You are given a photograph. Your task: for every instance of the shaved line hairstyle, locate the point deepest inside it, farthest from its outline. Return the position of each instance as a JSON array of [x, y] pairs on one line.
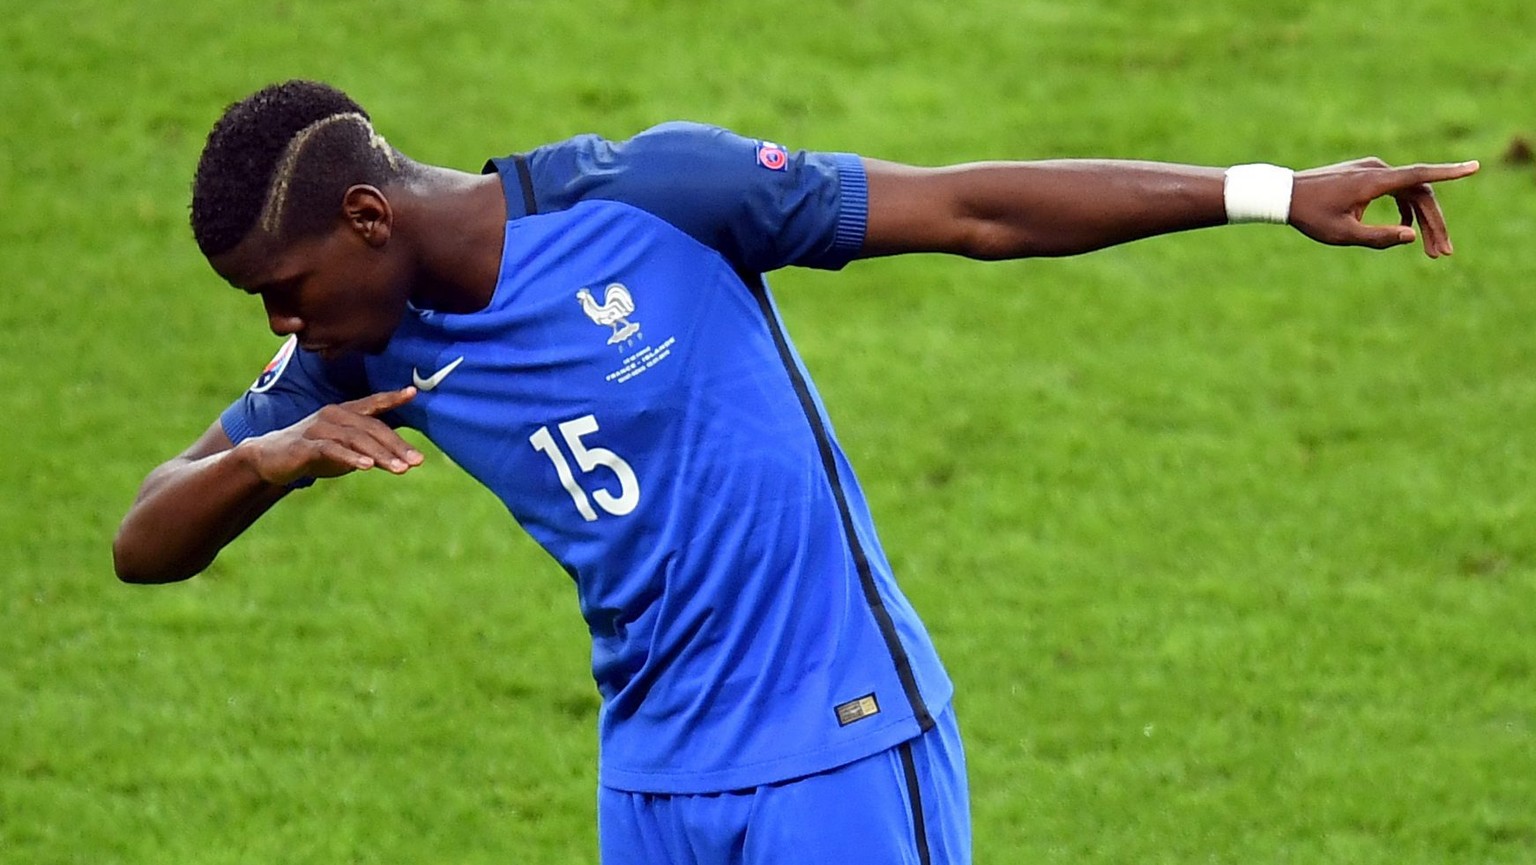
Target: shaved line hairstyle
[[280, 161]]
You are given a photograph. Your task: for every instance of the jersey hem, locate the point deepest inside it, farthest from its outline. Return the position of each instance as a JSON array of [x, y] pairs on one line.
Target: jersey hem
[[903, 729]]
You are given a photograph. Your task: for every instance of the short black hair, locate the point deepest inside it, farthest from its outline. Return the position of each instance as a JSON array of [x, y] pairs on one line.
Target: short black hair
[[281, 159]]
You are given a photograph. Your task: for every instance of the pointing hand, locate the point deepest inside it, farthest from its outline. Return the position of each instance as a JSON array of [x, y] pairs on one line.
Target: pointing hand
[[1328, 203], [335, 440]]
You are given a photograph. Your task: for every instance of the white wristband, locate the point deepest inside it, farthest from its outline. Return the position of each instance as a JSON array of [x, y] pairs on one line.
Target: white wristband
[[1258, 193]]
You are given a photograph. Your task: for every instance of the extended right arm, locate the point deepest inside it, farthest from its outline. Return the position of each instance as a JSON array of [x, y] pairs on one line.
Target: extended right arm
[[1002, 210], [190, 507]]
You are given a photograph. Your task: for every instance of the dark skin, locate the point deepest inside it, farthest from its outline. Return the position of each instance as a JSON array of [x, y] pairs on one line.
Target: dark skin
[[435, 240]]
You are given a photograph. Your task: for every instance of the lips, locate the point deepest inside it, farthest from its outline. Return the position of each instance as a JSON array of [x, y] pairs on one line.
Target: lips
[[325, 350]]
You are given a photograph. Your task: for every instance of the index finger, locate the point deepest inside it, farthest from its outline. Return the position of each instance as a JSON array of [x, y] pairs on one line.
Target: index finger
[[1395, 179], [376, 404]]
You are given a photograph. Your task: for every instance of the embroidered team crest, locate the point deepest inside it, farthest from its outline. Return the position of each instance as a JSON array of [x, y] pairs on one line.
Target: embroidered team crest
[[275, 367], [772, 156], [614, 312]]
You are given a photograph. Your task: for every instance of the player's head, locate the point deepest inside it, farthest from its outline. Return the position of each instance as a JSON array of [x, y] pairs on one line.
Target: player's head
[[289, 203], [279, 161]]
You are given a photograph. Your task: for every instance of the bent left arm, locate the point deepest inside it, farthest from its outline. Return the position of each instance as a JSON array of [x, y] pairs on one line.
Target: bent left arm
[[999, 210]]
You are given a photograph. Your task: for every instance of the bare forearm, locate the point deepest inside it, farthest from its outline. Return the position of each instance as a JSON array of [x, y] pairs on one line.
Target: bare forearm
[[1070, 207], [995, 210], [192, 506], [186, 511]]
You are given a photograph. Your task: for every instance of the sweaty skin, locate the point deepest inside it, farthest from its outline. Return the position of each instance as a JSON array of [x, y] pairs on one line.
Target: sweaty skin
[[435, 241]]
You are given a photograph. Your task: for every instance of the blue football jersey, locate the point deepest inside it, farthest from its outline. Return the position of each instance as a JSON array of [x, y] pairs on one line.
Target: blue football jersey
[[631, 395]]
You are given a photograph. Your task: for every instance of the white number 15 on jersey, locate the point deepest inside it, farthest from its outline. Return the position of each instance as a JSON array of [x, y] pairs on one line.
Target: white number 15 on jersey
[[589, 459]]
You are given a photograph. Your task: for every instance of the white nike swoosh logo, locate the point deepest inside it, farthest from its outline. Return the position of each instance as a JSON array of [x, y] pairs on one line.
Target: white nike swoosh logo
[[436, 378]]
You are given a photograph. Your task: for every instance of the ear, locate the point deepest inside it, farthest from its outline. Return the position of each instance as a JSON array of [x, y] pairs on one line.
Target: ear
[[368, 214]]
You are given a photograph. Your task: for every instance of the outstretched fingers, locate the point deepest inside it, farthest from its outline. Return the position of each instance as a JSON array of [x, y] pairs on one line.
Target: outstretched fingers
[[337, 439], [1363, 181], [1394, 180], [376, 404], [374, 444], [353, 436], [1411, 187], [345, 455], [375, 440]]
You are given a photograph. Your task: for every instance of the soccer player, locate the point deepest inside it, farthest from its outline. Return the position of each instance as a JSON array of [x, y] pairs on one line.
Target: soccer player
[[585, 328]]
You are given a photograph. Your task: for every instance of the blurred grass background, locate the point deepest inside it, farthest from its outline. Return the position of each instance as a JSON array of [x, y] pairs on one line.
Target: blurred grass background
[[1226, 538]]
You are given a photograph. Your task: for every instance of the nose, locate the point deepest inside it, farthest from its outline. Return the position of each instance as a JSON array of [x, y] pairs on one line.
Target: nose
[[284, 325], [281, 322]]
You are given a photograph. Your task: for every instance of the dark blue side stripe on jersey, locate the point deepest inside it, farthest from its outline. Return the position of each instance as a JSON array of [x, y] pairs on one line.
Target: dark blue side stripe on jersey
[[915, 801], [872, 597], [525, 179]]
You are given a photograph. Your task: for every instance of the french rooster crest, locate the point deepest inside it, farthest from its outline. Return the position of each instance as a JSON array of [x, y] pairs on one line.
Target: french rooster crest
[[615, 310]]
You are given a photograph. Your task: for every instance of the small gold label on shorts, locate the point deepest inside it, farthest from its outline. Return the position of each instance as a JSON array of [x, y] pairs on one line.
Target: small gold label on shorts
[[856, 710]]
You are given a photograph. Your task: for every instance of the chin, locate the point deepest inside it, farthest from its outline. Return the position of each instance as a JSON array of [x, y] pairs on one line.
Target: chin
[[374, 347]]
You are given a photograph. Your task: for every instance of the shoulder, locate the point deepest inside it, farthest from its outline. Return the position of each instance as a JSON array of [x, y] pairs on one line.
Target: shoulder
[[759, 203], [676, 153]]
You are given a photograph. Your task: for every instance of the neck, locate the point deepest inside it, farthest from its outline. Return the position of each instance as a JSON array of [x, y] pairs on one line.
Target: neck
[[458, 221]]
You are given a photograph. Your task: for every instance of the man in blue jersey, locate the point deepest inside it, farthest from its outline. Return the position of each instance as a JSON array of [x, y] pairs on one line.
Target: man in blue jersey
[[585, 328]]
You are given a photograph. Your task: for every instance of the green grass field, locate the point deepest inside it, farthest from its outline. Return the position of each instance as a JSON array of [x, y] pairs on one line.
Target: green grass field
[[1229, 540]]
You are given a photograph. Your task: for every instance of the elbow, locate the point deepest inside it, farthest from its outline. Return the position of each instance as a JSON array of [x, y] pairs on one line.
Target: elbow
[[134, 570], [138, 573], [134, 563]]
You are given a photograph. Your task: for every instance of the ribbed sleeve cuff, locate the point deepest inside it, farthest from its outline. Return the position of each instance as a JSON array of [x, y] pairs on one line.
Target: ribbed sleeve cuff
[[853, 207], [239, 429], [235, 425]]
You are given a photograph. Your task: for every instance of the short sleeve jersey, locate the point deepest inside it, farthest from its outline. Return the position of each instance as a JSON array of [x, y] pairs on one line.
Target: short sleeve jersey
[[632, 397]]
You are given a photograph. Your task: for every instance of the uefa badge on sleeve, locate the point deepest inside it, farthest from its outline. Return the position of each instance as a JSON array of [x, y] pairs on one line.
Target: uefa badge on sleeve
[[275, 367], [772, 156]]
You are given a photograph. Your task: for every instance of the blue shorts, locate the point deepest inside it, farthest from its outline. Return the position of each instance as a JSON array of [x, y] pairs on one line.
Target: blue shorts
[[905, 806]]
